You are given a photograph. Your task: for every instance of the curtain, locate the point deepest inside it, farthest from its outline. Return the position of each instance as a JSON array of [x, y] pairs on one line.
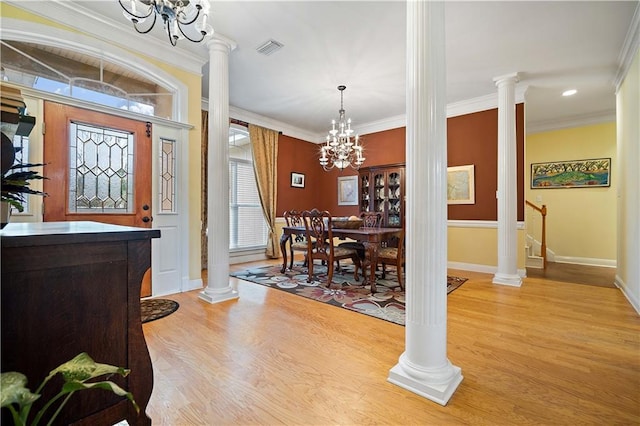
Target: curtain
[[264, 144], [203, 185]]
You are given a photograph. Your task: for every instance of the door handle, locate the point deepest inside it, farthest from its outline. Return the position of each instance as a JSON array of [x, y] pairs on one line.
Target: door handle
[[147, 219]]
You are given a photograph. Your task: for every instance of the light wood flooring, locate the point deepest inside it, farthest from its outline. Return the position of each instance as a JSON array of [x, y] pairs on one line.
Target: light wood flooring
[[547, 353], [577, 274]]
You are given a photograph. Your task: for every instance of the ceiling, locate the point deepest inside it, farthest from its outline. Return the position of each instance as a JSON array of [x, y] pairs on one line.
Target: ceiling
[[553, 45]]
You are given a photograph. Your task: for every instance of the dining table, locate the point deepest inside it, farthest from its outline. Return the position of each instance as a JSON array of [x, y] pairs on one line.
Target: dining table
[[371, 238]]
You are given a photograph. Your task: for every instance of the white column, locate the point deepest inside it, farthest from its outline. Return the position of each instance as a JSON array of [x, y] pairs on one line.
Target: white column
[[423, 368], [218, 287], [507, 179]]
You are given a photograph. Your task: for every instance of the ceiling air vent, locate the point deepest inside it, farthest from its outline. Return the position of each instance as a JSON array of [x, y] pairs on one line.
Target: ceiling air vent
[[270, 46]]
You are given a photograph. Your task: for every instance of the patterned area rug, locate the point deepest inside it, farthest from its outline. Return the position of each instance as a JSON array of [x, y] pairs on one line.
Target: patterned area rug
[[387, 303], [153, 309]]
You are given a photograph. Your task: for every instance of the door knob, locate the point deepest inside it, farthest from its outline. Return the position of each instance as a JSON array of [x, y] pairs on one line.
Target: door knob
[[145, 207], [147, 219]]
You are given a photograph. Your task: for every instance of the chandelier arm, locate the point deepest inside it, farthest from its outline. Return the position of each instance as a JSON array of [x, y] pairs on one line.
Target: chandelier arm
[[195, 18], [151, 9], [153, 23], [203, 33]]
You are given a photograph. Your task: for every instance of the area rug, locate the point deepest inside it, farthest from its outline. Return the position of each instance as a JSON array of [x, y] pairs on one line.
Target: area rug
[[153, 309], [387, 303]]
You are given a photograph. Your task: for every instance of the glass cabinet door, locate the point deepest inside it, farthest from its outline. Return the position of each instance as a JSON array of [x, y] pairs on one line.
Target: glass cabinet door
[[394, 207], [379, 192], [382, 190], [364, 192]]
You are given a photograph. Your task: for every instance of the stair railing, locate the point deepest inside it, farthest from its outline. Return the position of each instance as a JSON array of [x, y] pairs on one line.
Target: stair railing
[[543, 244]]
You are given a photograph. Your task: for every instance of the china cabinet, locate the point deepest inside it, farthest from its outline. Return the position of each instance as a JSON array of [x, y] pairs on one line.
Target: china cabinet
[[382, 190]]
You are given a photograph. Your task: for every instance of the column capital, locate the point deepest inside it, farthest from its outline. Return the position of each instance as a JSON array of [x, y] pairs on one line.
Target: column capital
[[218, 42], [513, 77]]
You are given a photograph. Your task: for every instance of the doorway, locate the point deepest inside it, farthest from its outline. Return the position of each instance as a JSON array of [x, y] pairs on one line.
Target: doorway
[[98, 168]]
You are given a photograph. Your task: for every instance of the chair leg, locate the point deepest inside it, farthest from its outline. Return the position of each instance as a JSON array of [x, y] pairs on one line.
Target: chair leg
[[384, 271], [399, 272], [310, 270], [357, 264], [329, 274], [291, 263]]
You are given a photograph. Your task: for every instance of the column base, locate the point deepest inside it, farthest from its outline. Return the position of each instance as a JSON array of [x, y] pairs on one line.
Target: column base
[[439, 392], [217, 295], [507, 279]]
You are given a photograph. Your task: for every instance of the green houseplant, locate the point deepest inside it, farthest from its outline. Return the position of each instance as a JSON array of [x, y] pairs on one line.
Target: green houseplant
[[16, 178], [19, 399]]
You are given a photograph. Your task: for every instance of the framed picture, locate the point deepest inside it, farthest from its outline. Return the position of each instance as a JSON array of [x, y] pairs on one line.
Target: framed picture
[[348, 191], [571, 174], [461, 185], [297, 180]]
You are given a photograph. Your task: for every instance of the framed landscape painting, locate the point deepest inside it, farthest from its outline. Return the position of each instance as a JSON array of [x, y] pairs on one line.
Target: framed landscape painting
[[571, 174], [461, 185], [348, 191]]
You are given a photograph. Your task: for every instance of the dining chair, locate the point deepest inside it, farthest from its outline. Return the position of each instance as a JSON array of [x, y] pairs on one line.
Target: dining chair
[[297, 242], [393, 254], [320, 245], [369, 220]]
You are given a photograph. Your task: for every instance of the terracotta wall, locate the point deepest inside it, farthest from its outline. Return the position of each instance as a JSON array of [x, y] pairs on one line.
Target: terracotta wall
[[471, 139]]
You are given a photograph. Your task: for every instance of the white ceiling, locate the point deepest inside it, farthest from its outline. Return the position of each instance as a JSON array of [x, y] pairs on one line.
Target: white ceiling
[[361, 44]]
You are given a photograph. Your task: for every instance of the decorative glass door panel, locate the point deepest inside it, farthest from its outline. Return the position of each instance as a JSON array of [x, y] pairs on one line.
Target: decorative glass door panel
[[98, 167]]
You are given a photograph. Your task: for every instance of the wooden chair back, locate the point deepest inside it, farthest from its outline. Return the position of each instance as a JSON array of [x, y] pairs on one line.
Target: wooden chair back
[[371, 219], [297, 242], [319, 233]]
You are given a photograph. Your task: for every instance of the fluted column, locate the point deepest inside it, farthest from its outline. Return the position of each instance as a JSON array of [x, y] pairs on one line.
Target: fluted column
[[423, 368], [507, 179], [218, 287]]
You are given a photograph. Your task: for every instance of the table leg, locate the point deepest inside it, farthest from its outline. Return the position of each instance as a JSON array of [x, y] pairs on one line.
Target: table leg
[[283, 248], [372, 250]]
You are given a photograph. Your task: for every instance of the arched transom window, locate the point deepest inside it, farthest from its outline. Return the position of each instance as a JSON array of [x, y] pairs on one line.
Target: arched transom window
[[81, 76]]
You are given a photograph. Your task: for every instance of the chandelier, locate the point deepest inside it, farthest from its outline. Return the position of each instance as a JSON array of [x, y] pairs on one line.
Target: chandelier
[[175, 14], [342, 149]]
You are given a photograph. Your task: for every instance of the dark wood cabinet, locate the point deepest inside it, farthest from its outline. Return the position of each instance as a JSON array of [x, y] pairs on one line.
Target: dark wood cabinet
[[382, 190], [72, 287]]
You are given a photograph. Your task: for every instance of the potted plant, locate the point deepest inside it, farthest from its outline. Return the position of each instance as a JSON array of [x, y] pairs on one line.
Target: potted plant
[[19, 399], [15, 179]]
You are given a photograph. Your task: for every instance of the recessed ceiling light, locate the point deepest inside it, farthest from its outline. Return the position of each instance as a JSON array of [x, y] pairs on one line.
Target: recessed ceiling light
[[569, 92]]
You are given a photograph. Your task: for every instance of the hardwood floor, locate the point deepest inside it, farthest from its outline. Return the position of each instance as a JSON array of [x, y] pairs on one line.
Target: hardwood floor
[[578, 274], [547, 353]]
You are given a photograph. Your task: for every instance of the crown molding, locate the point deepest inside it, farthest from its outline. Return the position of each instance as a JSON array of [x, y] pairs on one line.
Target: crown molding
[[629, 49], [576, 121], [113, 32], [378, 126], [260, 120], [482, 103], [470, 106]]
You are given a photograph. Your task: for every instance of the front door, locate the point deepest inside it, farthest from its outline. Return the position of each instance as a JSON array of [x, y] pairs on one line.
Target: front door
[[98, 168]]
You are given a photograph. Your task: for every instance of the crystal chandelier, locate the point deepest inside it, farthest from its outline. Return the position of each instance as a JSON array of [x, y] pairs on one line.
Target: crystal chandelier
[[175, 14], [342, 149]]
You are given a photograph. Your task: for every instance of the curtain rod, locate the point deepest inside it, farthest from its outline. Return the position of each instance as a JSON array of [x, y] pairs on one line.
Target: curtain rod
[[243, 123]]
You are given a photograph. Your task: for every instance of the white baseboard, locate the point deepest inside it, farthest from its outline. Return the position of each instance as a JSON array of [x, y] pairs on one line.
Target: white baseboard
[[608, 263], [635, 303], [474, 267], [188, 285]]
